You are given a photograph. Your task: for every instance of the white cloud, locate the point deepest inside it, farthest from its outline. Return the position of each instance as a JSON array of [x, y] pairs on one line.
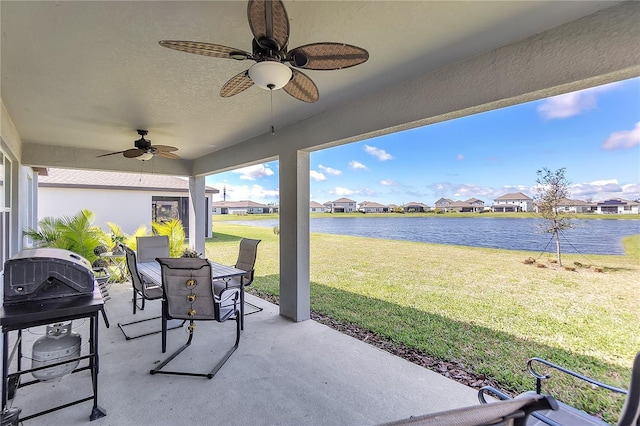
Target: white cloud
[[357, 165], [388, 182], [567, 105], [343, 191], [574, 103], [631, 191], [254, 172], [465, 191], [623, 139], [380, 154], [600, 190], [263, 193], [317, 176], [329, 170], [517, 188], [459, 157], [254, 192]]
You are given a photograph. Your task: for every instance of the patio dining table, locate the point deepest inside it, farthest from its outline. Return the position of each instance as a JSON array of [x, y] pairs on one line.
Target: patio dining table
[[151, 271]]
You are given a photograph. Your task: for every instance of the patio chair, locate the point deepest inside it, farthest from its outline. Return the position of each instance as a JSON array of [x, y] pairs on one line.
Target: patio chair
[[568, 415], [246, 261], [151, 247], [514, 412], [188, 295], [146, 291]]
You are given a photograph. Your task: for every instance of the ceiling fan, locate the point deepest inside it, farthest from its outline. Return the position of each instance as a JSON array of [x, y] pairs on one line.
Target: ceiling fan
[[269, 24], [145, 151]]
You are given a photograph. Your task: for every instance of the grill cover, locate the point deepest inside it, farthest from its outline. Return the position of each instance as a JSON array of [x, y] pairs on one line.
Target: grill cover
[[46, 273]]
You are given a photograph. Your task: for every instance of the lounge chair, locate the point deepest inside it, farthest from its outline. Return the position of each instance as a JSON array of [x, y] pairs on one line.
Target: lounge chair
[[567, 415]]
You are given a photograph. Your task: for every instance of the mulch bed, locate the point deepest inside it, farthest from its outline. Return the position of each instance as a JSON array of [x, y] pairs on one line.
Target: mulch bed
[[451, 369]]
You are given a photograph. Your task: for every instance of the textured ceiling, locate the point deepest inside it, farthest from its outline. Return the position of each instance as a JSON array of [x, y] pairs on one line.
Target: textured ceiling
[[86, 74]]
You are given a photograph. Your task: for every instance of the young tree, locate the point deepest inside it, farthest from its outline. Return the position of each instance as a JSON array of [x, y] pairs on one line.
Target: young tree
[[553, 188]]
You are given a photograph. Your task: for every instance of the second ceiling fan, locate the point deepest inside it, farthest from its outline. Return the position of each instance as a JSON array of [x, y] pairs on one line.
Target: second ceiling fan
[[276, 67], [145, 151]]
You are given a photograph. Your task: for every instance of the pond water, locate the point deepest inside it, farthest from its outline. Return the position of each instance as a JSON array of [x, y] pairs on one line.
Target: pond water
[[588, 237]]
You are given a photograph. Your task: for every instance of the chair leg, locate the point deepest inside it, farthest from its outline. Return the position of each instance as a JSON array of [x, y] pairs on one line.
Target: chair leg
[[164, 327], [257, 309], [168, 360], [134, 299], [128, 337], [241, 307], [213, 372], [231, 351]]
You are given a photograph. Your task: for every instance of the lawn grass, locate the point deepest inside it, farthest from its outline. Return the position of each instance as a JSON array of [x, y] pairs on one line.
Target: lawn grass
[[631, 246], [482, 307]]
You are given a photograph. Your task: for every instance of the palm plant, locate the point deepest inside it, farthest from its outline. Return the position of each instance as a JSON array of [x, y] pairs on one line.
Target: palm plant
[[74, 233], [175, 231]]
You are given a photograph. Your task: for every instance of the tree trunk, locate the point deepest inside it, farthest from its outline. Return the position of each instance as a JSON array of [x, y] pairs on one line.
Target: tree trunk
[[558, 247]]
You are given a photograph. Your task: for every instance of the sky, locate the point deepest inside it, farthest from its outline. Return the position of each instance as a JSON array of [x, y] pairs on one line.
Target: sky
[[594, 134]]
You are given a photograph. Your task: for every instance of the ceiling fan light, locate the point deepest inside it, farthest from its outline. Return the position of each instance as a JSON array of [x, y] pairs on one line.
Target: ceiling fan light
[[145, 156], [270, 75]]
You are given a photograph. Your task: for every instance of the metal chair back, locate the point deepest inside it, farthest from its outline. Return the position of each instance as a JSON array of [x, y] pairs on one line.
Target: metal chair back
[[247, 258], [152, 247]]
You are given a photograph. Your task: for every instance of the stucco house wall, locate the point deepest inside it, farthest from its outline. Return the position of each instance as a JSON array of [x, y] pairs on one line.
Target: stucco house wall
[[509, 202], [128, 209], [343, 205], [127, 200], [618, 206]]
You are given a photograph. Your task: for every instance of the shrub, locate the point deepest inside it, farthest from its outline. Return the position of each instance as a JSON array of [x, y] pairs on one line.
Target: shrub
[[74, 233], [188, 252], [100, 249], [175, 231], [100, 263], [276, 230]]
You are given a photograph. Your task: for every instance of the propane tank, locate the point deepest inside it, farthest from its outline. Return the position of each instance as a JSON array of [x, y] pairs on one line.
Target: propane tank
[[58, 344]]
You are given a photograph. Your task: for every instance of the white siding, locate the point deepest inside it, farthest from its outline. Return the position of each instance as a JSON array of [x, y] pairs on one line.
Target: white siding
[[127, 209]]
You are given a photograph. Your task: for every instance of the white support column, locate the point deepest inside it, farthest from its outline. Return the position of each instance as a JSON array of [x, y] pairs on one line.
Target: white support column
[[295, 300], [197, 219]]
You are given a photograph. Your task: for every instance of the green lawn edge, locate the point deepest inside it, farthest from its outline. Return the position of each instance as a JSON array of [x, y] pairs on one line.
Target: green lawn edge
[[483, 308]]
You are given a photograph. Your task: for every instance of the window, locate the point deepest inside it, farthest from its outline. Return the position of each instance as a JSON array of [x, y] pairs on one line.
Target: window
[[164, 209], [5, 208]]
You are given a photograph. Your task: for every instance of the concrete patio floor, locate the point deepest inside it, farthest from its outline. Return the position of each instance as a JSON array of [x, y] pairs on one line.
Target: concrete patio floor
[[283, 373]]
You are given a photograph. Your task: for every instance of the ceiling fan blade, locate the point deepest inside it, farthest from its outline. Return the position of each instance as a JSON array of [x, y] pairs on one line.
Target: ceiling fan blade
[[166, 154], [238, 83], [268, 20], [327, 56], [302, 87], [206, 49], [133, 153], [164, 148], [112, 153]]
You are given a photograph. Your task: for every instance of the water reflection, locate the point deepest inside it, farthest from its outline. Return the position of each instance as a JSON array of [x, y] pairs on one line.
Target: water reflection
[[588, 237]]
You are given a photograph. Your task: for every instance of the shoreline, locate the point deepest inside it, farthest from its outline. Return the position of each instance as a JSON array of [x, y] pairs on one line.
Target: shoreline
[[268, 216]]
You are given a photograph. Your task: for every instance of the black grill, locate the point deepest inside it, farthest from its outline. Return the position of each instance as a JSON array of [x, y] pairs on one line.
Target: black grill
[[46, 273]]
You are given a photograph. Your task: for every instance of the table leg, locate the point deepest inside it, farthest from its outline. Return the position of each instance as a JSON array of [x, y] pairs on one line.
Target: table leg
[[5, 367], [94, 364]]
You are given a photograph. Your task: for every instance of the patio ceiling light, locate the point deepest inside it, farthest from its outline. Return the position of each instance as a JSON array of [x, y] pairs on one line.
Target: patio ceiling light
[[270, 75], [144, 157]]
